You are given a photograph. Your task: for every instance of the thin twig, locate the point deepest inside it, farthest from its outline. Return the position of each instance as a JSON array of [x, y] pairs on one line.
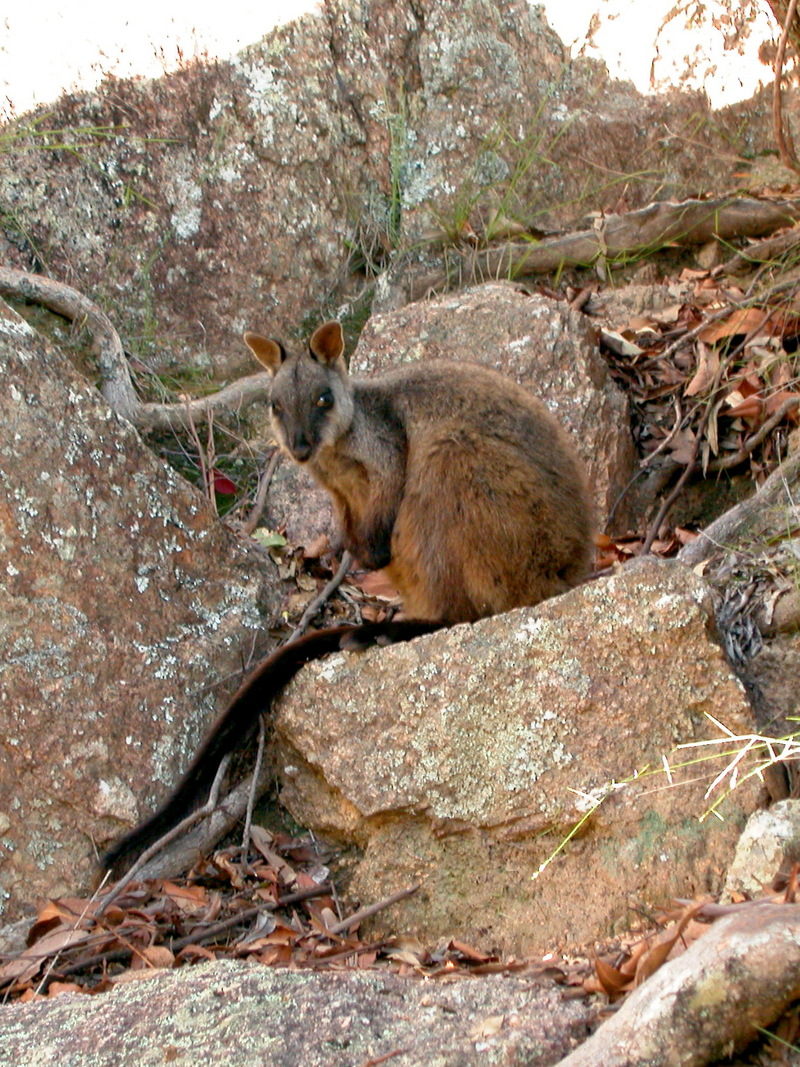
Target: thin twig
[[722, 463], [257, 509], [376, 1061], [198, 937], [726, 462], [372, 909], [203, 460], [251, 800], [676, 491], [170, 835], [648, 459], [323, 597], [690, 466]]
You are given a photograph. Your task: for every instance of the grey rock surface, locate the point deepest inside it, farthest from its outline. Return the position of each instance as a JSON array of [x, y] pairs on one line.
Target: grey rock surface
[[127, 611], [466, 759], [237, 1015], [239, 194]]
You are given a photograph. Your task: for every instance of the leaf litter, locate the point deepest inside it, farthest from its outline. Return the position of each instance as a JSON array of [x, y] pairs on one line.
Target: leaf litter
[[714, 385], [276, 906]]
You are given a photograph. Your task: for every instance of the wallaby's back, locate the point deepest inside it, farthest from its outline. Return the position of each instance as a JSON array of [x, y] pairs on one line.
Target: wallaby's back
[[451, 475]]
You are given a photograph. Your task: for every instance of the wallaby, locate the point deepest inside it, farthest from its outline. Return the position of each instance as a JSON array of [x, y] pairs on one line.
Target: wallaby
[[452, 477]]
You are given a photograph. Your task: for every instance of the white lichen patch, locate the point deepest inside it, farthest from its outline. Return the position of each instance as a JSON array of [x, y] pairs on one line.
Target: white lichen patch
[[115, 798], [331, 667], [265, 96], [520, 343], [13, 327], [185, 196], [63, 542]]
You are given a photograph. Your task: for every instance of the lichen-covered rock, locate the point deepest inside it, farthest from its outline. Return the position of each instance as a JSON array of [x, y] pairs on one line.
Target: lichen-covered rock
[[770, 841], [232, 195], [124, 604], [464, 760], [239, 1015]]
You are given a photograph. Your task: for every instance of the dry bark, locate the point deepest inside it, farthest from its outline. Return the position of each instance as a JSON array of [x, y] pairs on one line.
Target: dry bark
[[760, 517], [764, 251], [739, 977], [692, 222]]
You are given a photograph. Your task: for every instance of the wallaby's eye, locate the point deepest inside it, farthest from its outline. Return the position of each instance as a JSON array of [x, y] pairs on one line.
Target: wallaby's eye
[[276, 408], [325, 400]]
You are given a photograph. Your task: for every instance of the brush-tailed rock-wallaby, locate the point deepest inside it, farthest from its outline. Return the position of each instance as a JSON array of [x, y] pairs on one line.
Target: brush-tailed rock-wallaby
[[452, 477]]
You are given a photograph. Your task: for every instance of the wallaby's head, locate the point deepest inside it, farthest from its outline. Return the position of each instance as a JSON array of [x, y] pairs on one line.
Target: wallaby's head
[[312, 398]]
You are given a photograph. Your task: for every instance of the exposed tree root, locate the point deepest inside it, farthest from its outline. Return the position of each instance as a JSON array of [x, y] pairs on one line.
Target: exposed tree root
[[116, 385], [616, 237], [762, 516], [735, 980]]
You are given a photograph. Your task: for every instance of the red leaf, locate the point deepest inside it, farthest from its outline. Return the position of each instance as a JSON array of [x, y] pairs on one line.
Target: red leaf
[[222, 483]]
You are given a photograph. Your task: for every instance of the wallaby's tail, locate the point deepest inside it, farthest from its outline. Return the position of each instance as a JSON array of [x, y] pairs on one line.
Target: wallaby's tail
[[238, 722]]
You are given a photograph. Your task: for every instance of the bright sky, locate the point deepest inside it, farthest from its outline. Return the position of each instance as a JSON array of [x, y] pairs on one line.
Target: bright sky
[[50, 45]]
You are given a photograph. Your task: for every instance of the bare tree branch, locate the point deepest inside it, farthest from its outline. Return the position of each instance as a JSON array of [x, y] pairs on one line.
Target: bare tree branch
[[231, 398], [116, 385], [690, 222], [783, 136], [180, 853], [322, 598]]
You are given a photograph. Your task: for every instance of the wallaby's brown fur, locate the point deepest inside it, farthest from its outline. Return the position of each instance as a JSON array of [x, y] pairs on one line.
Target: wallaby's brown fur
[[454, 478]]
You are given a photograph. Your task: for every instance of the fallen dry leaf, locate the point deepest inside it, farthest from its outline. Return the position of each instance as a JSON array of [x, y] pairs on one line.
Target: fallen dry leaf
[[707, 368], [32, 959], [740, 321], [158, 956], [612, 980]]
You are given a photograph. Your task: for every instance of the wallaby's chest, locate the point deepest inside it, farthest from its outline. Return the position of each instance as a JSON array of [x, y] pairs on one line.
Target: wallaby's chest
[[345, 475]]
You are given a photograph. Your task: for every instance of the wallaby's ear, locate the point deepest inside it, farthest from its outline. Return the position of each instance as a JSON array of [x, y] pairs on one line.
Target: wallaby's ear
[[327, 342], [267, 352]]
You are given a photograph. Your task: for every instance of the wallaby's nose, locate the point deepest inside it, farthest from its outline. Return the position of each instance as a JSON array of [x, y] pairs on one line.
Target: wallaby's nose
[[301, 447]]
